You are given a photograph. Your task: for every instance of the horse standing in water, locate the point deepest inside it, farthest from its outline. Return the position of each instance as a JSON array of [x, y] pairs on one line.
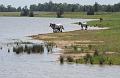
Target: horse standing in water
[[83, 25], [56, 27]]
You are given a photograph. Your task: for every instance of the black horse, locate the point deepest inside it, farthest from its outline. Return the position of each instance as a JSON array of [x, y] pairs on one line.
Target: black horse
[[56, 27]]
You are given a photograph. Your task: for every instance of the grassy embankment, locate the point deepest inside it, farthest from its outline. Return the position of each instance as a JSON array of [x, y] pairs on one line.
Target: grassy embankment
[[80, 43]]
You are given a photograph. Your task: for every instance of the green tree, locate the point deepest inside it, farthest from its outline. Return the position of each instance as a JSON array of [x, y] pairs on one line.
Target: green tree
[[19, 9], [60, 12], [25, 11], [90, 11], [109, 8], [96, 7]]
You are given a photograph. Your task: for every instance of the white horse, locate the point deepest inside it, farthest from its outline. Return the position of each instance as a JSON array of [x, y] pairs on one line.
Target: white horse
[[83, 24], [56, 27]]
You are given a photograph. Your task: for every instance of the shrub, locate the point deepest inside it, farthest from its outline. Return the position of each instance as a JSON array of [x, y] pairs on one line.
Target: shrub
[[70, 59], [90, 47], [101, 60], [96, 53], [87, 58], [61, 59], [31, 14]]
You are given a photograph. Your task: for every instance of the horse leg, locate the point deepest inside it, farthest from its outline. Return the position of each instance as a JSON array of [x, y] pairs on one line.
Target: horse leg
[[60, 29], [54, 30], [81, 27], [86, 27]]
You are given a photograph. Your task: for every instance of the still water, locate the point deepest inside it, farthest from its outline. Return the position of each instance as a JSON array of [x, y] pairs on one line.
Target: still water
[[45, 65]]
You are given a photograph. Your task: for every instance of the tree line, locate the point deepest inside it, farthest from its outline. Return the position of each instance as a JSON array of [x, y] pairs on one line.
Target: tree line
[[53, 7]]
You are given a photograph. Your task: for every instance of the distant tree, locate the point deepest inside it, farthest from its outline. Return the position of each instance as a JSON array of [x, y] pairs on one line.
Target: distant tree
[[2, 8], [34, 7], [90, 11], [74, 7], [19, 9], [96, 7], [53, 7], [25, 11], [116, 7], [9, 8], [108, 8], [60, 12]]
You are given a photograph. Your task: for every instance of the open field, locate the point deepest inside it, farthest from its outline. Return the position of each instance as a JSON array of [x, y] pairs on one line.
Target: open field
[[11, 14], [68, 14]]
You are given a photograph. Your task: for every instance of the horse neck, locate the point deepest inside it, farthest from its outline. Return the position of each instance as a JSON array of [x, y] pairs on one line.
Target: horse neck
[[52, 26]]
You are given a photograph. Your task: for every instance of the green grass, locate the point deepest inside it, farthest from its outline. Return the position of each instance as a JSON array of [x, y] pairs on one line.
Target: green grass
[[105, 15], [13, 14]]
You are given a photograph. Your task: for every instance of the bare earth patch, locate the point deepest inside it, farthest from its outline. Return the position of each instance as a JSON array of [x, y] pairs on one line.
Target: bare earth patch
[[62, 43]]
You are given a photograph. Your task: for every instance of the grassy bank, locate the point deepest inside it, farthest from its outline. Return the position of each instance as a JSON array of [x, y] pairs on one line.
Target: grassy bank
[[67, 14], [79, 42], [10, 14]]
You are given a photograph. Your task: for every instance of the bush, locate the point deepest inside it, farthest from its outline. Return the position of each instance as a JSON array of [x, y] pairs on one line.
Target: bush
[[70, 59], [101, 60], [60, 12], [61, 59], [90, 47], [24, 13], [31, 14], [90, 11], [87, 58], [96, 53]]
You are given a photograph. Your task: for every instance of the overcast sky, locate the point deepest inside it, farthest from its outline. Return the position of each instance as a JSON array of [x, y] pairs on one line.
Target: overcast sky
[[22, 3]]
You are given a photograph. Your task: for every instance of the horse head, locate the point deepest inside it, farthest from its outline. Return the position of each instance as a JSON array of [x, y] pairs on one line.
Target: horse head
[[62, 27], [80, 23], [50, 24]]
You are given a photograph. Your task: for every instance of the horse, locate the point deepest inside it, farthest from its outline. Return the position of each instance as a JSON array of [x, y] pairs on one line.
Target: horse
[[56, 27], [84, 24]]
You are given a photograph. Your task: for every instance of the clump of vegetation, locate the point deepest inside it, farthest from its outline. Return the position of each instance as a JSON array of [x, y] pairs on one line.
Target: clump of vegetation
[[96, 53], [90, 47], [60, 12], [31, 14], [61, 59], [25, 11], [29, 49], [98, 58], [70, 59], [87, 58], [50, 46], [90, 11]]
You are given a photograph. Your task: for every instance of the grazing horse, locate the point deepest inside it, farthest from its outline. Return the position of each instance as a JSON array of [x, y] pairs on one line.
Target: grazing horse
[[84, 24], [56, 27]]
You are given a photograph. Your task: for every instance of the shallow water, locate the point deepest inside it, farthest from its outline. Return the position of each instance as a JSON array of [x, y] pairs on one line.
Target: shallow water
[[12, 65]]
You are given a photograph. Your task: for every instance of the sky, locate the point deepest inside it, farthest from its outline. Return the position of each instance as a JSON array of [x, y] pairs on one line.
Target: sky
[[17, 3]]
